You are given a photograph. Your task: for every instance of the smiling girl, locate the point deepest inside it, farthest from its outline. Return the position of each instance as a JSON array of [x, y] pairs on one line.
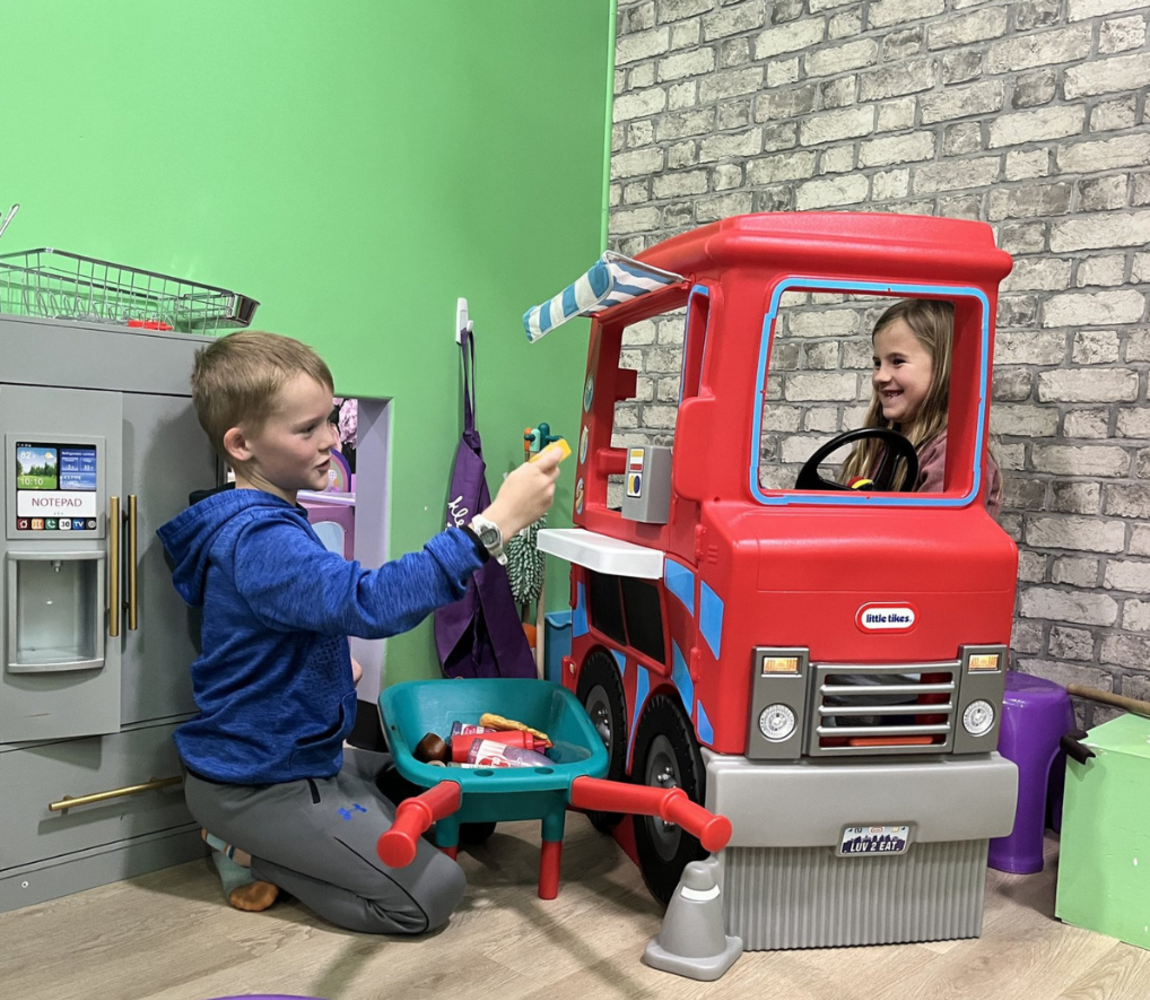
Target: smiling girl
[[911, 382]]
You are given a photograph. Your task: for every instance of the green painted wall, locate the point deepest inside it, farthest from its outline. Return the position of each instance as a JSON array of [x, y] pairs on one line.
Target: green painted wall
[[355, 166]]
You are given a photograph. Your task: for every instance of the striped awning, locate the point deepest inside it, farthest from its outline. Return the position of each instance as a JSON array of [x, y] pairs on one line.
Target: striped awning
[[613, 279]]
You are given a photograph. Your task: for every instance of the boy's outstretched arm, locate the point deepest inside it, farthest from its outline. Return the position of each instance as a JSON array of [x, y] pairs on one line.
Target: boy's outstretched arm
[[291, 582]]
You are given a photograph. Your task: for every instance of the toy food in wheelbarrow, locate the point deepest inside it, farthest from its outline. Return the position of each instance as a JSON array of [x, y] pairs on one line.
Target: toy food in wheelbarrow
[[464, 735], [577, 761]]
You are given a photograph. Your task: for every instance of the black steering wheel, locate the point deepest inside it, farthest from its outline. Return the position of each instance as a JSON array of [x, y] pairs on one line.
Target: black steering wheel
[[897, 447]]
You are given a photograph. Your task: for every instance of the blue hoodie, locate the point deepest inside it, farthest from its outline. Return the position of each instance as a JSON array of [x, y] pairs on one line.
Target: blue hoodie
[[273, 683]]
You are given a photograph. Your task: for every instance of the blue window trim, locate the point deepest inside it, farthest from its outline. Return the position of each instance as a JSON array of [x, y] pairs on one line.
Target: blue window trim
[[853, 499]]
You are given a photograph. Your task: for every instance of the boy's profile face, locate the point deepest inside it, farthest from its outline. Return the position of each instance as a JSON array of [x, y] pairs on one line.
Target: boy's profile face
[[292, 451]]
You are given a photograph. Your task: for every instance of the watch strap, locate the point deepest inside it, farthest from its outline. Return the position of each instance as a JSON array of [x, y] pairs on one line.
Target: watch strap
[[480, 548]]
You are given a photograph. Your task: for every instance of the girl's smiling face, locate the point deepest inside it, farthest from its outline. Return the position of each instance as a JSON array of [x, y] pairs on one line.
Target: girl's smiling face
[[902, 372]]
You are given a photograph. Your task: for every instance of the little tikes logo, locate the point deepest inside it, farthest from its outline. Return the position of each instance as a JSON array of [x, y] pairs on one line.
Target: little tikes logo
[[886, 617]]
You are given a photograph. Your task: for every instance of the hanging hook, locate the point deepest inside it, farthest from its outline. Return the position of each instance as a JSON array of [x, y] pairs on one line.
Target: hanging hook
[[11, 212], [462, 322]]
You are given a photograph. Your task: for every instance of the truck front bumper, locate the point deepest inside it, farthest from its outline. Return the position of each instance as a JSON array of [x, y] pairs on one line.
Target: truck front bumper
[[810, 803]]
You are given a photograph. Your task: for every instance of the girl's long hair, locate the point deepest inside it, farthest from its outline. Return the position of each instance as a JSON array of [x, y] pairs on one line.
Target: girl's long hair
[[932, 322]]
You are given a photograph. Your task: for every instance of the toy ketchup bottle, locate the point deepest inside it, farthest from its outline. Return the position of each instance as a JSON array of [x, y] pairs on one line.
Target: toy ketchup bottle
[[462, 743]]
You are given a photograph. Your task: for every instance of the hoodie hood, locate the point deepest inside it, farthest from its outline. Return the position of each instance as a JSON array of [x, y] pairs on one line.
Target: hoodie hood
[[191, 535]]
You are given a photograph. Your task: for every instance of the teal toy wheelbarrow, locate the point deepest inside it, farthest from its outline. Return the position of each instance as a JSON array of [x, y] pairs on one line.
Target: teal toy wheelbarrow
[[574, 778]]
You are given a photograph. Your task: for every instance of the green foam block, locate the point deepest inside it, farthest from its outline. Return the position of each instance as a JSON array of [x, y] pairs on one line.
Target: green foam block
[[1104, 863]]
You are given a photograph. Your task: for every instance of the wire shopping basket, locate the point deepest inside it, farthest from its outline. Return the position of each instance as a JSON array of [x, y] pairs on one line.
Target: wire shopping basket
[[57, 285]]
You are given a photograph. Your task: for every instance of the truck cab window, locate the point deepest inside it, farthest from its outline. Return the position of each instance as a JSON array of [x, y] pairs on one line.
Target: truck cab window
[[654, 348]]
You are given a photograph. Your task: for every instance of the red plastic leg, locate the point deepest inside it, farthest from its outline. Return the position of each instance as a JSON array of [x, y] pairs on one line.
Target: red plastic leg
[[549, 863], [624, 836], [451, 852], [670, 804], [396, 847]]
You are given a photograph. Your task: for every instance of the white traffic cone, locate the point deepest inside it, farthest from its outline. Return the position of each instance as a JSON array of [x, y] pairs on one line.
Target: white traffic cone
[[693, 941]]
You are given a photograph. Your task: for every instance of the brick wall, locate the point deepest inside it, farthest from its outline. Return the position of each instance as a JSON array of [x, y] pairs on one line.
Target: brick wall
[[1030, 116]]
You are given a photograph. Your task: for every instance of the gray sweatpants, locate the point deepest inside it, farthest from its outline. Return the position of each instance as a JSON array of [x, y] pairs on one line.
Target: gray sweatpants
[[315, 838]]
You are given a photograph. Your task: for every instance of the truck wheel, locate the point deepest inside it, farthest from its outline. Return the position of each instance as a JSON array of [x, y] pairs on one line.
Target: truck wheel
[[600, 690], [666, 756]]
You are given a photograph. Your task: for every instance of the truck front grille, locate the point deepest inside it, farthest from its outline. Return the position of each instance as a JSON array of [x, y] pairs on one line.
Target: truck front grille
[[869, 709]]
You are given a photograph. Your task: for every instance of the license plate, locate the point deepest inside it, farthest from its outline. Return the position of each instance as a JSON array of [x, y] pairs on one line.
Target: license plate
[[874, 840]]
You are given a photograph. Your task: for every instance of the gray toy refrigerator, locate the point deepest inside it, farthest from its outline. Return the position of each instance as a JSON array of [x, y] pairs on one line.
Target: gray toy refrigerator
[[100, 447]]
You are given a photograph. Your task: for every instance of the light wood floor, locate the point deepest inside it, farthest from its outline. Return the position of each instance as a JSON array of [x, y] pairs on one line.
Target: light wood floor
[[170, 936]]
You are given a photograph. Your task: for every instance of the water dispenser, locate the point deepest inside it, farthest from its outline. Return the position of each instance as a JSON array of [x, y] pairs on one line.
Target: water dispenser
[[62, 572], [55, 611]]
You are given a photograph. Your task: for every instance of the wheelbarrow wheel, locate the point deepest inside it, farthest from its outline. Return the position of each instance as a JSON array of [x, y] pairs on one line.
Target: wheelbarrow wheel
[[666, 756], [601, 693]]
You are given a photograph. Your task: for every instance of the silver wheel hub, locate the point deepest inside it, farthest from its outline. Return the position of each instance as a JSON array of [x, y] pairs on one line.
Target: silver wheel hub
[[600, 712], [663, 772]]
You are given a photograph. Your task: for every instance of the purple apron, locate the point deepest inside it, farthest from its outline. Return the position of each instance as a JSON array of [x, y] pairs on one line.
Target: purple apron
[[480, 635]]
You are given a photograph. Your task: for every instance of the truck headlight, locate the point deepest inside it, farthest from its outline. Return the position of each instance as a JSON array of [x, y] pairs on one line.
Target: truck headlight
[[978, 719], [777, 722]]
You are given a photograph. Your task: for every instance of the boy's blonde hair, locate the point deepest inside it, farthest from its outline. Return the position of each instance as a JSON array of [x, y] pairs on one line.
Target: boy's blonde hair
[[932, 323], [236, 380]]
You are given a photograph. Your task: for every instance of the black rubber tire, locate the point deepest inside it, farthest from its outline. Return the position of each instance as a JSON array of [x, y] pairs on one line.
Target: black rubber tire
[[666, 755], [475, 833], [600, 691]]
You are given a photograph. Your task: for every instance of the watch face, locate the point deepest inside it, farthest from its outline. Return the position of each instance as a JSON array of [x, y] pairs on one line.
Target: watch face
[[489, 536]]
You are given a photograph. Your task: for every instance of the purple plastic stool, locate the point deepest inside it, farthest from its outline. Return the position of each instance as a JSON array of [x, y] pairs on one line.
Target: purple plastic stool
[[1036, 714]]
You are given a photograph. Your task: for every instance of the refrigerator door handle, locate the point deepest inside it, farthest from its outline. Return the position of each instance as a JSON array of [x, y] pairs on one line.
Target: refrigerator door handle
[[133, 606], [113, 566]]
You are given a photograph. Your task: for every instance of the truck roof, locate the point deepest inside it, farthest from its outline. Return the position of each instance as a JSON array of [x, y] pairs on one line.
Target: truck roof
[[847, 245]]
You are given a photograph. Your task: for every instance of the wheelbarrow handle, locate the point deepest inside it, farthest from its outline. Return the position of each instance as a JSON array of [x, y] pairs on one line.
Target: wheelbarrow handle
[[672, 805], [396, 846], [712, 831]]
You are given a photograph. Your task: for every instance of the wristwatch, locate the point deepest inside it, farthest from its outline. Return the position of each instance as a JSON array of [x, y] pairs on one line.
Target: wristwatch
[[491, 536]]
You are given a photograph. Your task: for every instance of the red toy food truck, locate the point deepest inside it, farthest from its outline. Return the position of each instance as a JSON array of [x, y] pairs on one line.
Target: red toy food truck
[[823, 665]]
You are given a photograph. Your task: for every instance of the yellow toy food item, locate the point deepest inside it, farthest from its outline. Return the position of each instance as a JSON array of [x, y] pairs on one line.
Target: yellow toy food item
[[559, 443], [498, 722]]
